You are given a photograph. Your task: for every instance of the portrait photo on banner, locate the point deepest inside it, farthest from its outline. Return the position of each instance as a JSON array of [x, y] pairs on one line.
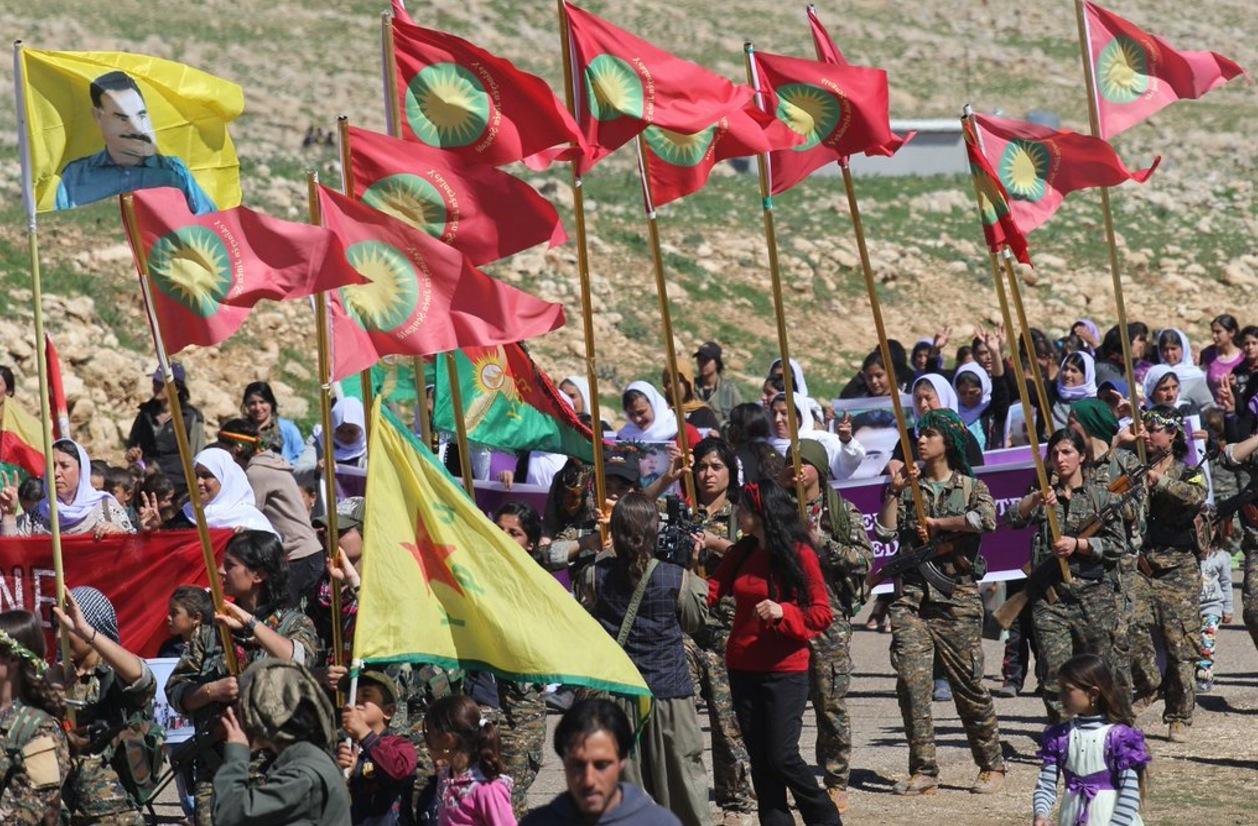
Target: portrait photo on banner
[[100, 124]]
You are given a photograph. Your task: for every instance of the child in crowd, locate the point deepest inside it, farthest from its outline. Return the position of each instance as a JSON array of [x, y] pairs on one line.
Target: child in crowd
[[29, 493], [382, 766], [471, 788], [99, 470], [1216, 609], [189, 608], [158, 490], [1097, 753], [121, 484]]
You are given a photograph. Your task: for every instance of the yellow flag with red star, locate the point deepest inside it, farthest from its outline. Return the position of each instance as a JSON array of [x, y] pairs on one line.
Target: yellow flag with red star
[[441, 584]]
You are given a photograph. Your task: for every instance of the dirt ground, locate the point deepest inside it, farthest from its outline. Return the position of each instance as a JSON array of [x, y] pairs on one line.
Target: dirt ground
[[1206, 780]]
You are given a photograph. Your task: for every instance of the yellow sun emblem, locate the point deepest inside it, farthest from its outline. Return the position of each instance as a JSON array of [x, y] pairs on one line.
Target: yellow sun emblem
[[446, 106], [410, 199], [389, 300], [492, 380], [192, 266], [809, 110], [1123, 70], [614, 88]]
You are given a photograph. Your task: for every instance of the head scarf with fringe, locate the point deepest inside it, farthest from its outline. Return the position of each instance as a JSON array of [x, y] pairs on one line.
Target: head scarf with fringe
[[949, 425]]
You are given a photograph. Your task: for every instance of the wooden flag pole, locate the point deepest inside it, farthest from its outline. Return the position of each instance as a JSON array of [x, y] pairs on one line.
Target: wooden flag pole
[[666, 321], [460, 425], [347, 186], [1094, 121], [41, 352], [583, 272], [181, 433], [329, 455], [775, 276], [884, 347], [393, 124]]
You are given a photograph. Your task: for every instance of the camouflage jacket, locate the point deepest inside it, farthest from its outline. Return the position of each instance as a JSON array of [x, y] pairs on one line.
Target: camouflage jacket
[[34, 762], [721, 616], [944, 500], [1074, 514], [844, 550], [1107, 470], [1174, 502]]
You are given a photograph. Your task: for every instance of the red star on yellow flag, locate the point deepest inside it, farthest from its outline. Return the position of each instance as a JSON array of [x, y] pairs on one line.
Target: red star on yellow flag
[[432, 558]]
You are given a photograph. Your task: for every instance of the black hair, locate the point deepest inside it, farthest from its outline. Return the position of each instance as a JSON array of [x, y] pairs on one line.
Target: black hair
[[1169, 336], [7, 375], [158, 485], [196, 601], [263, 554], [31, 489], [968, 379], [118, 477], [748, 422], [530, 521], [459, 715], [784, 532], [1179, 447], [573, 476], [96, 467], [1073, 358], [717, 445], [1088, 671], [635, 526], [67, 447], [1067, 434], [899, 356], [1248, 331], [236, 447], [1228, 322], [874, 359], [587, 717], [260, 388], [631, 396], [1073, 343], [36, 689], [964, 352], [115, 81]]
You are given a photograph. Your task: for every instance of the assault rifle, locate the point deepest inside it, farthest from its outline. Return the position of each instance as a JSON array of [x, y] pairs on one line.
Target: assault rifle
[[921, 559], [1044, 578]]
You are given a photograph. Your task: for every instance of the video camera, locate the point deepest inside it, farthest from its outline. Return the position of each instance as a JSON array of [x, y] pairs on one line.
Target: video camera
[[676, 539]]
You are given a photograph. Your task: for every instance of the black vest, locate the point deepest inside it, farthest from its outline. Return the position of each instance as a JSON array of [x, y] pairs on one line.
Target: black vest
[[654, 642]]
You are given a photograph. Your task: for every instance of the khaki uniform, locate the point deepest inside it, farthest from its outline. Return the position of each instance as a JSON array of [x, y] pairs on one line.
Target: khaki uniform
[[35, 758], [1084, 618], [1168, 600], [925, 622]]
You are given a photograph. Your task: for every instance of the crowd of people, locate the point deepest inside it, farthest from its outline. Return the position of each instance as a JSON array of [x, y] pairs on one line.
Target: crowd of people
[[748, 617]]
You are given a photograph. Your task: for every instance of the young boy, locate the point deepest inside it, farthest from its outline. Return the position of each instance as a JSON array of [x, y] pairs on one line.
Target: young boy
[[1216, 609], [383, 764]]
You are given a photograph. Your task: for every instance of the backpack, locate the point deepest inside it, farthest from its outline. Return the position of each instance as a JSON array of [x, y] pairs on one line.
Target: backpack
[[134, 748], [852, 587]]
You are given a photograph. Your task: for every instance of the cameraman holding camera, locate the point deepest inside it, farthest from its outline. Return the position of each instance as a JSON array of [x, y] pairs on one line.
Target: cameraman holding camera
[[646, 604]]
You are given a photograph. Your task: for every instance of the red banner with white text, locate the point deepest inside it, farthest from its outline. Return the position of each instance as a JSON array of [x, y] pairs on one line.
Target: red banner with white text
[[138, 572]]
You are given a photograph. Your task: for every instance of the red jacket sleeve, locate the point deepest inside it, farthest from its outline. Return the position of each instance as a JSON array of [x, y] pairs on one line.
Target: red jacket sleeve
[[721, 583], [805, 623], [392, 754]]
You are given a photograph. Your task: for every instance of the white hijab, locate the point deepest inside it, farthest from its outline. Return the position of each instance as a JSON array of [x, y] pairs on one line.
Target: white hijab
[[970, 415], [947, 396], [662, 429], [348, 410], [583, 387], [797, 376], [233, 505], [1080, 391], [807, 428], [1185, 369], [86, 498], [1154, 377]]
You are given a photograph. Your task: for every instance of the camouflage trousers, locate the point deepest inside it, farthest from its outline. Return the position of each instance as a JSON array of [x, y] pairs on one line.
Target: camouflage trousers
[[1249, 589], [920, 628], [94, 795], [829, 675], [522, 733], [1125, 611], [731, 765], [1167, 605], [1081, 621]]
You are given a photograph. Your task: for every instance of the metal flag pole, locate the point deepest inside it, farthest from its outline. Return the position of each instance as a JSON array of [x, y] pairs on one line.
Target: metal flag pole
[[775, 276], [181, 433], [666, 319]]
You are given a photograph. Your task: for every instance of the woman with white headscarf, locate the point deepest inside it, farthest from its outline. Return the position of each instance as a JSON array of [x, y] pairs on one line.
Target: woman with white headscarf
[[1162, 388], [226, 497], [1176, 353], [1076, 379], [349, 439], [81, 509], [648, 416], [982, 403], [933, 392], [845, 457]]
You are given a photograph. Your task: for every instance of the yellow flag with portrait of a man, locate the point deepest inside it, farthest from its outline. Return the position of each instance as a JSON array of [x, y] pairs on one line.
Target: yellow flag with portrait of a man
[[99, 124]]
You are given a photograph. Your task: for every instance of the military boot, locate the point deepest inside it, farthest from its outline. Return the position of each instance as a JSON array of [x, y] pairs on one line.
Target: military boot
[[988, 782], [917, 784]]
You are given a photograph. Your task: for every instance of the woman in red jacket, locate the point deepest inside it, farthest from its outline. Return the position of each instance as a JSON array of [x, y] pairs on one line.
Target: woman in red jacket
[[779, 604]]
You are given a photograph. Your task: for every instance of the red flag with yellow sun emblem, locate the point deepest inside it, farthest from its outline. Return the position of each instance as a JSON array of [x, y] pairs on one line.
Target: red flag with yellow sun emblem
[[421, 296]]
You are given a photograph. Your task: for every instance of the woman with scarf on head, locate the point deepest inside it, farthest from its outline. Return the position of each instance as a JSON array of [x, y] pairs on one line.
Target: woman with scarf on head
[[263, 623], [110, 689], [844, 452], [280, 435], [927, 355], [983, 402], [32, 711], [651, 420], [1084, 616], [933, 392], [349, 441], [1162, 388], [1076, 379], [81, 509], [282, 710], [1175, 352], [925, 620], [226, 498], [1168, 583]]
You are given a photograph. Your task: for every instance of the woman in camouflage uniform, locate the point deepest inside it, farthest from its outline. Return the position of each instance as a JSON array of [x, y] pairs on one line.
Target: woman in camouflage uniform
[[1169, 578], [924, 620], [1082, 616], [262, 623], [111, 689]]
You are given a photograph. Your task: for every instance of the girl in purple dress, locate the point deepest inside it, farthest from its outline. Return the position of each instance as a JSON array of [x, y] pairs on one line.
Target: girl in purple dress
[[1098, 753]]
